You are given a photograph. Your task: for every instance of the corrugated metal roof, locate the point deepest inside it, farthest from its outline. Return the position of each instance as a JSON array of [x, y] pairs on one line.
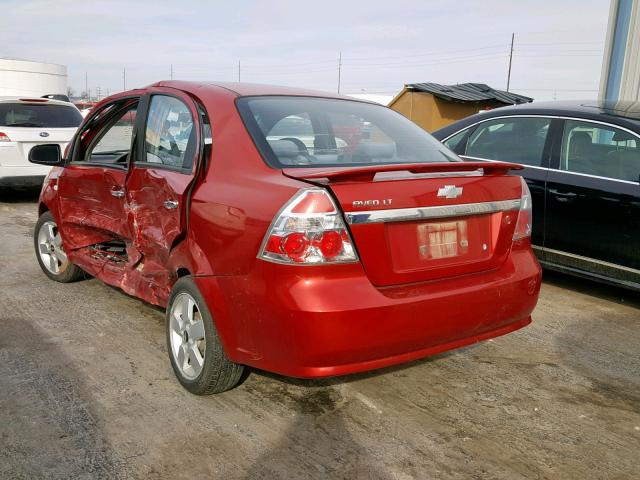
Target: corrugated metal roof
[[469, 92]]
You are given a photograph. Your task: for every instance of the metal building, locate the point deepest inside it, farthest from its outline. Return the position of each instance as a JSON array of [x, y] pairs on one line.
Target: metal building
[[620, 79], [34, 79]]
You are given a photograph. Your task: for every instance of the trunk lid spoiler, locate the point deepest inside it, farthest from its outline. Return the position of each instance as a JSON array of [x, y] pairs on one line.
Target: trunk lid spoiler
[[368, 173]]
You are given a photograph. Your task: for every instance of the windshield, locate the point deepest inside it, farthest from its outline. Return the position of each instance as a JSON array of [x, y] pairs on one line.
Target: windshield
[[307, 131], [38, 115]]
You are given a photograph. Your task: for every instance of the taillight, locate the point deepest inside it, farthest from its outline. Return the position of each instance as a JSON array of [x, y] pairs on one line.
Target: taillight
[[525, 218], [308, 230], [4, 137]]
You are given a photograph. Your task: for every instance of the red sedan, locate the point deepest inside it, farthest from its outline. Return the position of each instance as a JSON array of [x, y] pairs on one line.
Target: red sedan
[[277, 241]]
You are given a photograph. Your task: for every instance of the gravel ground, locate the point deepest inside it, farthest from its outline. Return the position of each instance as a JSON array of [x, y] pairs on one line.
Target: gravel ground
[[86, 391]]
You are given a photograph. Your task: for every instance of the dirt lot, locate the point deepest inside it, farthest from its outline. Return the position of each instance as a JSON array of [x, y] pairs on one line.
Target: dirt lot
[[86, 391]]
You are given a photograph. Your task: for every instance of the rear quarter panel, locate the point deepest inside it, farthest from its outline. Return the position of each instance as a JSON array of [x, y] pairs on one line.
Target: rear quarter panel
[[234, 204]]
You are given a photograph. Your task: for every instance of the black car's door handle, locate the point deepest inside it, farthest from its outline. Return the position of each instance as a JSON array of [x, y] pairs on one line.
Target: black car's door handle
[[563, 196]]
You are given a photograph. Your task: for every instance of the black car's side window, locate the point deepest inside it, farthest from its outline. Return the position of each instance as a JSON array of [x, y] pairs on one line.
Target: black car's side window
[[169, 133], [455, 143], [517, 139], [601, 150]]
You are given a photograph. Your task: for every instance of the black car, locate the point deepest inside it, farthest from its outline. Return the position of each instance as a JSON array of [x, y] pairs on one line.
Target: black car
[[582, 164]]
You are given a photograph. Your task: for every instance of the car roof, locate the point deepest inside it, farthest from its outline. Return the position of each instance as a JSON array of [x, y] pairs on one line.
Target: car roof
[[624, 109], [241, 89]]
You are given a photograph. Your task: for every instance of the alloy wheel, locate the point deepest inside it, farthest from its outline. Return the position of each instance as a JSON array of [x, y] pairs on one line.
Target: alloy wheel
[[187, 336], [50, 248]]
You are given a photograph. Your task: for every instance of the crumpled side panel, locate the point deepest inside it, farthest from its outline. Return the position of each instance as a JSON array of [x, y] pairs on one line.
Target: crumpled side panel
[[133, 276], [89, 212]]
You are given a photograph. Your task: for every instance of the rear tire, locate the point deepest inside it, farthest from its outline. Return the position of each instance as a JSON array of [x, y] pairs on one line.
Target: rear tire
[[50, 252], [196, 353]]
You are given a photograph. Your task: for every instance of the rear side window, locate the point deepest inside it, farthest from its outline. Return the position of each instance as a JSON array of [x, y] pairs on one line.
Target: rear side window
[[169, 133], [600, 150], [306, 131], [455, 142], [39, 115], [518, 140]]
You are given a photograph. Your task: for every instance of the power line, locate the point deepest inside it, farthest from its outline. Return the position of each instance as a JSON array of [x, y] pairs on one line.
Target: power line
[[552, 54], [433, 52], [553, 44], [557, 89], [442, 61], [440, 57]]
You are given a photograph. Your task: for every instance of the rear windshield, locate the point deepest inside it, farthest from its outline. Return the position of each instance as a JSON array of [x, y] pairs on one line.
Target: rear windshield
[[307, 131], [38, 115]]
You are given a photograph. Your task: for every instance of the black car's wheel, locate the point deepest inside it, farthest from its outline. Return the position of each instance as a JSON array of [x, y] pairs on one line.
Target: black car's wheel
[[195, 350], [50, 252]]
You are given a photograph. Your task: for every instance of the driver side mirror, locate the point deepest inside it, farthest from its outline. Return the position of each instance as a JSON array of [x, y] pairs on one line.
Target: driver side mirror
[[48, 154]]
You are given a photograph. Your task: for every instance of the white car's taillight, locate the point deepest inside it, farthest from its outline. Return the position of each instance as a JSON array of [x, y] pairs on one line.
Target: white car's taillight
[[308, 230], [525, 218], [4, 137]]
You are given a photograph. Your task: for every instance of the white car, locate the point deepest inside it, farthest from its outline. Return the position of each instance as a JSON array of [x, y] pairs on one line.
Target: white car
[[26, 122]]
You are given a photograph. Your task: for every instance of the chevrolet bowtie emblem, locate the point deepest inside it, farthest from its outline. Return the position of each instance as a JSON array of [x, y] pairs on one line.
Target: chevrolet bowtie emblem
[[450, 191]]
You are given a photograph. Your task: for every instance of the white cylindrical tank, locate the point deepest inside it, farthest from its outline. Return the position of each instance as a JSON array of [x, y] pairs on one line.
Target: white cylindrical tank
[[34, 79]]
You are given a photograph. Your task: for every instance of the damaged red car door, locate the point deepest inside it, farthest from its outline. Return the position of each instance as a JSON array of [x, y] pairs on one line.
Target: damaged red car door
[[160, 175], [91, 189]]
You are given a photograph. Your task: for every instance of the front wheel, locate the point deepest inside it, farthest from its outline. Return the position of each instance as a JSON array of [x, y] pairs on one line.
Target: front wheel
[[196, 353], [50, 252]]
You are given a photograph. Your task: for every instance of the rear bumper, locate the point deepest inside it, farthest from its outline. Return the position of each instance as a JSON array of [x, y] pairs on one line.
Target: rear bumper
[[301, 322]]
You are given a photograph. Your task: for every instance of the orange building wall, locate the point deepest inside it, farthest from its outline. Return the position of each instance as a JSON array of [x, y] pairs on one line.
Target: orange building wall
[[432, 113]]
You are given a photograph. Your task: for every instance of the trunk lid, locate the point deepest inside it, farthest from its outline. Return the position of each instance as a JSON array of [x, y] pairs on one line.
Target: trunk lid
[[421, 222]]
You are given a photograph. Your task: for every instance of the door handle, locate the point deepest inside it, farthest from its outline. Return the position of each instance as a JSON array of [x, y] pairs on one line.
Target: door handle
[[117, 193], [170, 204], [562, 194]]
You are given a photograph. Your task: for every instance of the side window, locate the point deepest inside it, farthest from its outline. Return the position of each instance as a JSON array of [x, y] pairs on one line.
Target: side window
[[600, 150], [112, 143], [518, 140], [169, 133], [454, 142]]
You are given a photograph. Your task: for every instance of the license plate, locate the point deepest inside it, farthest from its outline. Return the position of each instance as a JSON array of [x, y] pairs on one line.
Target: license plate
[[442, 239]]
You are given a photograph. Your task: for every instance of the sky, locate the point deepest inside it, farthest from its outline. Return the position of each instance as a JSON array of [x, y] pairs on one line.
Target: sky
[[384, 44]]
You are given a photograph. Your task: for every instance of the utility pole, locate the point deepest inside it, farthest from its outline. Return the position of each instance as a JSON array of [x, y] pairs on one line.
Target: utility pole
[[238, 71], [124, 79], [339, 70], [86, 84], [510, 60], [172, 71]]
